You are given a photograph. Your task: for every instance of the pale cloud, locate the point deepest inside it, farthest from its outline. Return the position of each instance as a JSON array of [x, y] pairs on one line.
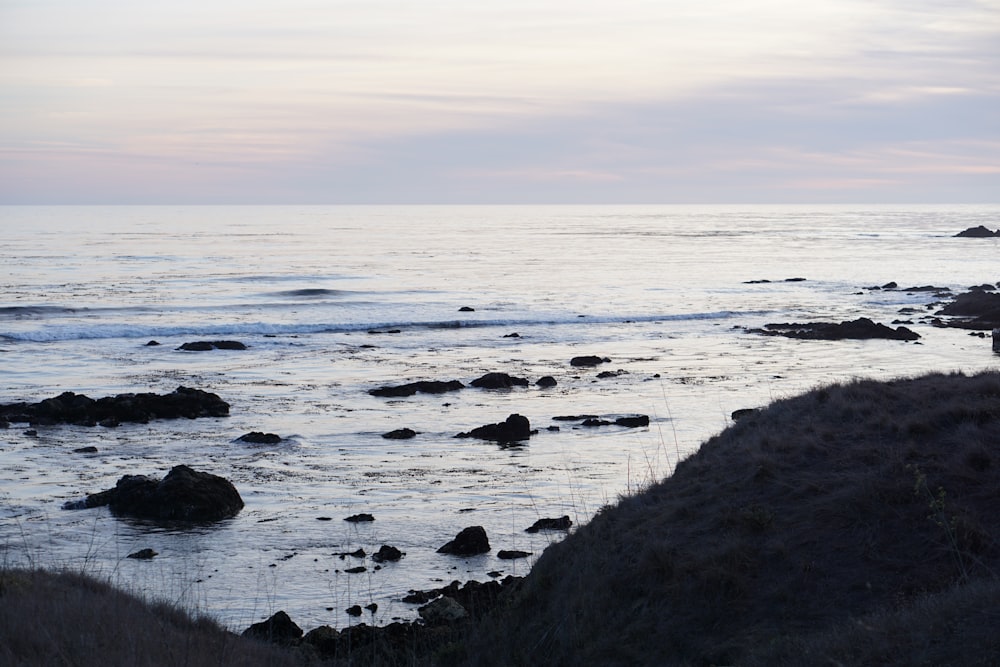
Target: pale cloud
[[278, 100]]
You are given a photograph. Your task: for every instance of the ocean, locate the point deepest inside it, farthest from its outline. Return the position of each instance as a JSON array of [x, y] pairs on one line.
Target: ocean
[[333, 301]]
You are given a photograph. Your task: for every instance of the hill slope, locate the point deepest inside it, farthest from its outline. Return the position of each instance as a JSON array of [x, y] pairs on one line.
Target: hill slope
[[809, 532]]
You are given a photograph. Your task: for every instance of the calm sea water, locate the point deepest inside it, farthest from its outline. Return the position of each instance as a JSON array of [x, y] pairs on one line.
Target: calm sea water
[[664, 292]]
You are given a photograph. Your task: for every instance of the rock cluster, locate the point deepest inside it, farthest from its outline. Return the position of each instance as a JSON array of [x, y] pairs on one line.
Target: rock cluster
[[81, 410], [859, 329]]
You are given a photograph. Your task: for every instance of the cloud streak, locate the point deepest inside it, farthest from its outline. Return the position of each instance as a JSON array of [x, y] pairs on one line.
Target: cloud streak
[[446, 101]]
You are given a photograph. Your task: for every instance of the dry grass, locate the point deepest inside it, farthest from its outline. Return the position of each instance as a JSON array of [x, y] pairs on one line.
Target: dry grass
[[853, 501], [65, 618]]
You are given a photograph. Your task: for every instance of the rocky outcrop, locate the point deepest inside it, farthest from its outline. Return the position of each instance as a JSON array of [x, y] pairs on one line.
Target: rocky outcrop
[[546, 381], [499, 381], [183, 495], [422, 386], [979, 232], [469, 542], [206, 345], [516, 427], [859, 329], [512, 554], [977, 310]]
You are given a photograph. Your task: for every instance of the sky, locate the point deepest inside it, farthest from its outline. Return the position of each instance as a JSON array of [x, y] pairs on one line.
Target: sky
[[549, 101]]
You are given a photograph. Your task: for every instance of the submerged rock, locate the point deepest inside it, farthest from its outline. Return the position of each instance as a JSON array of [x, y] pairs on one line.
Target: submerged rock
[[206, 345], [422, 386], [588, 360], [143, 554], [499, 381], [400, 434], [562, 523], [259, 438], [183, 495]]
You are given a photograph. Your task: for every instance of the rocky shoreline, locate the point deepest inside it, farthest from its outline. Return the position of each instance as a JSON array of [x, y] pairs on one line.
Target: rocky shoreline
[[977, 309]]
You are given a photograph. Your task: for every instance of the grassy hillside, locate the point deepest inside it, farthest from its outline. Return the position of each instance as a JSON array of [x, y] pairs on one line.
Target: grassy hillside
[[811, 532]]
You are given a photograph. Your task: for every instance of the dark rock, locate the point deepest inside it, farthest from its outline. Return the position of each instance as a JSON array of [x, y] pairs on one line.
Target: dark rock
[[469, 542], [573, 418], [31, 433], [81, 410], [183, 495], [387, 554], [442, 611], [516, 427], [387, 331], [400, 434], [742, 413], [859, 329], [512, 335], [978, 310], [590, 360], [985, 287], [152, 343], [562, 523], [372, 607], [979, 232], [794, 280], [205, 345], [279, 629], [499, 381], [546, 381], [85, 450], [633, 422], [143, 554], [258, 438], [595, 422], [356, 570], [422, 386], [354, 610], [512, 554], [603, 375], [466, 309], [360, 518], [890, 285]]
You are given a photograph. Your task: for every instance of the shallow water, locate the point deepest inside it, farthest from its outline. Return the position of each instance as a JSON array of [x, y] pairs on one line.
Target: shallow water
[[662, 291]]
